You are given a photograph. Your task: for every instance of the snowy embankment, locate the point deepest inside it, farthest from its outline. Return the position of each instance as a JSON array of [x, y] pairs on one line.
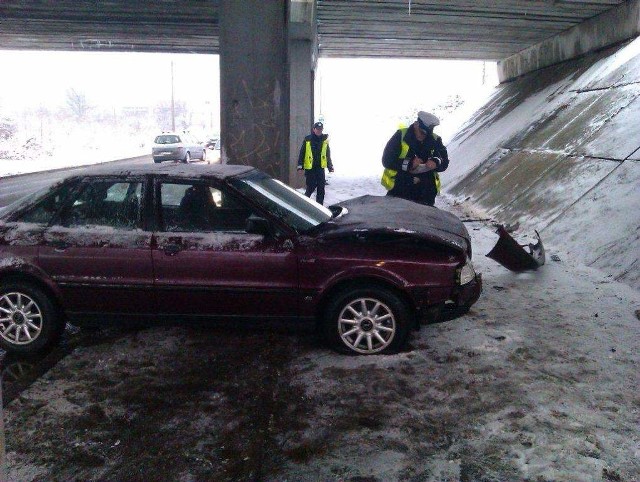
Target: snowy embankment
[[75, 146], [557, 150]]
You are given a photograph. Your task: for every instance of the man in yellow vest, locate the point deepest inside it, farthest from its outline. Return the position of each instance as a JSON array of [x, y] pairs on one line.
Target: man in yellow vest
[[412, 158], [314, 158]]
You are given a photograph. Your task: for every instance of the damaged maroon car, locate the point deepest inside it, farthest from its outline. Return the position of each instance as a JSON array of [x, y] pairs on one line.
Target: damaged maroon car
[[225, 242]]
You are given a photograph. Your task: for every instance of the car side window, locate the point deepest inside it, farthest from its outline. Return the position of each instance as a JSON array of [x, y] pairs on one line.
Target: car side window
[[44, 210], [197, 207], [106, 203]]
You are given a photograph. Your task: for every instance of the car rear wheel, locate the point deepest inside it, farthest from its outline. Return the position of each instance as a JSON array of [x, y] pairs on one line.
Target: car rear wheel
[[29, 321], [367, 321], [187, 158]]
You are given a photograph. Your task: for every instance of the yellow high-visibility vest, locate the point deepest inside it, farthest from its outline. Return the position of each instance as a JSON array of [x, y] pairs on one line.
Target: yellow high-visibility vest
[[308, 154], [389, 175]]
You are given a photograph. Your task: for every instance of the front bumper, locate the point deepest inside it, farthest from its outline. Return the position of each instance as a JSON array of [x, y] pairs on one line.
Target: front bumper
[[468, 294], [456, 303]]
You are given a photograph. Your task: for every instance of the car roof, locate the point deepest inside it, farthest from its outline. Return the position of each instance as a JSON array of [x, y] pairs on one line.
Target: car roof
[[186, 171], [217, 171]]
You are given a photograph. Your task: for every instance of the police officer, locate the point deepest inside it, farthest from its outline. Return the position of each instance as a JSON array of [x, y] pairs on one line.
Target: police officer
[[412, 158], [314, 158]]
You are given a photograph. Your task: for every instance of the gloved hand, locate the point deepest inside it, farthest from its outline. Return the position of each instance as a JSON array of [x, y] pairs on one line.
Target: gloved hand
[[331, 169]]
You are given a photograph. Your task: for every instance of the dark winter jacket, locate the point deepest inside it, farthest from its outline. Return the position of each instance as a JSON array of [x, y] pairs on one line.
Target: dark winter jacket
[[421, 187], [316, 147]]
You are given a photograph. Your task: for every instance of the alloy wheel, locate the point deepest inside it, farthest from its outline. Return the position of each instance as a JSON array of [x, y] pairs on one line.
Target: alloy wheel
[[366, 325], [20, 318]]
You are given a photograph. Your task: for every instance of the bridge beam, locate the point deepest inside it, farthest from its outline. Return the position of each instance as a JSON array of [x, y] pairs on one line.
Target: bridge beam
[[611, 27]]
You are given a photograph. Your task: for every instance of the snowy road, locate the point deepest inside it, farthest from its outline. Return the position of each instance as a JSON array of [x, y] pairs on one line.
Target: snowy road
[[538, 382]]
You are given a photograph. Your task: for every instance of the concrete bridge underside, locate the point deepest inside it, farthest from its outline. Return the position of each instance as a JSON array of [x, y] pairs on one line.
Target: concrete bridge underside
[[268, 50]]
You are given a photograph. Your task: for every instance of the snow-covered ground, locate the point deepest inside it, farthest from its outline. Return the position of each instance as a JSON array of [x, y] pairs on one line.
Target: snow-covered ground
[[77, 147], [538, 382]]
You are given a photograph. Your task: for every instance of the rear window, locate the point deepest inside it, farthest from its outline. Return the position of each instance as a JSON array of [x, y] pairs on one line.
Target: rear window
[[167, 139]]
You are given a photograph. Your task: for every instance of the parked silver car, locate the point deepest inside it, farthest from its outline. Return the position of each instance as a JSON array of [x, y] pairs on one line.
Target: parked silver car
[[182, 147]]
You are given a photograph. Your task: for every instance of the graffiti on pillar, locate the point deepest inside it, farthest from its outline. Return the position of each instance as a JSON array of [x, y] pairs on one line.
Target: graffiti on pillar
[[254, 135]]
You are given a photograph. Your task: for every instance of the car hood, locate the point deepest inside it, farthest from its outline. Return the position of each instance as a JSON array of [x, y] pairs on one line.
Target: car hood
[[387, 214]]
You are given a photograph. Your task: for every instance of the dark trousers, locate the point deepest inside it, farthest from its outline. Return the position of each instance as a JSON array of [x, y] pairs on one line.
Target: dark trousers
[[315, 180]]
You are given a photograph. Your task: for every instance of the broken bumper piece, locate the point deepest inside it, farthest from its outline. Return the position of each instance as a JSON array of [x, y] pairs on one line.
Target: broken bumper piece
[[513, 256]]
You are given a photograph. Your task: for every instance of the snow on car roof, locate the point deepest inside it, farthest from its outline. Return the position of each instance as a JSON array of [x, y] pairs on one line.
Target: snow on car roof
[[219, 171]]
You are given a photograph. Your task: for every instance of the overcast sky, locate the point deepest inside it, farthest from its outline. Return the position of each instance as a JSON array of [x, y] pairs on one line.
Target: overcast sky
[[107, 79], [362, 86]]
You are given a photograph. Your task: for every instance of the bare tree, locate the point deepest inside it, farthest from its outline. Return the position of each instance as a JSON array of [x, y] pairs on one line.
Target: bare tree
[[8, 128], [77, 104], [163, 114]]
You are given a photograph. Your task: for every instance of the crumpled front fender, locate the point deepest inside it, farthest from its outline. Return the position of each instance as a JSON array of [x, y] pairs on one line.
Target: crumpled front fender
[[513, 256]]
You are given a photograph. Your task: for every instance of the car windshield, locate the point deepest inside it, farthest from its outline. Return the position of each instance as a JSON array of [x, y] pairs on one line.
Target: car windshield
[[295, 209], [167, 139]]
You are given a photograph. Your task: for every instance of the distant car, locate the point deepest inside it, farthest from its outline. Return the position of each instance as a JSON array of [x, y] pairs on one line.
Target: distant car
[[211, 142], [225, 241], [177, 147]]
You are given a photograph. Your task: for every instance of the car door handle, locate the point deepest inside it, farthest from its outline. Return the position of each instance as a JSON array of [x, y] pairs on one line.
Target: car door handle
[[59, 245], [172, 249]]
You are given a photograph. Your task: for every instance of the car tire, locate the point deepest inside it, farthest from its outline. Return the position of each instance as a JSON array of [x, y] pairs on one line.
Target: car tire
[[204, 155], [187, 158], [367, 321], [157, 161], [29, 319]]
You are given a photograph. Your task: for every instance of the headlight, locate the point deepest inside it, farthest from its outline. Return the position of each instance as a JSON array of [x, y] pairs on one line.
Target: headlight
[[467, 273]]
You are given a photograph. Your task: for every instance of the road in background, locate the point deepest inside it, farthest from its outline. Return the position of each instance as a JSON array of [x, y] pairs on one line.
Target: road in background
[[13, 188]]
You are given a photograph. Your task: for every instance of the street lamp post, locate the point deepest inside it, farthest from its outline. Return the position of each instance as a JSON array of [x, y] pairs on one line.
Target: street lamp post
[[173, 110]]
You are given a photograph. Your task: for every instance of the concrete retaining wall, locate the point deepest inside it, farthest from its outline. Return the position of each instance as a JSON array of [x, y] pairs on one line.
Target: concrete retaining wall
[[558, 150]]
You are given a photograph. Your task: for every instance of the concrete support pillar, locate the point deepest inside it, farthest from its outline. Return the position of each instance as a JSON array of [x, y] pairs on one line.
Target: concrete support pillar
[[254, 84], [301, 118], [303, 59]]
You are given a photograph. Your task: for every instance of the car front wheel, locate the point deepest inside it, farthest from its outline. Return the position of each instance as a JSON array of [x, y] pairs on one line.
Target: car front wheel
[[29, 321], [367, 321], [204, 154], [187, 158]]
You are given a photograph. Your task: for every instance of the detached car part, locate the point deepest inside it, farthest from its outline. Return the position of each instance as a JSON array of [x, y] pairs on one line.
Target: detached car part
[[513, 256]]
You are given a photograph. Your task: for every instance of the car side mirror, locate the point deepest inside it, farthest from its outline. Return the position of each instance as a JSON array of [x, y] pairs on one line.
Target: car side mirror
[[258, 225]]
